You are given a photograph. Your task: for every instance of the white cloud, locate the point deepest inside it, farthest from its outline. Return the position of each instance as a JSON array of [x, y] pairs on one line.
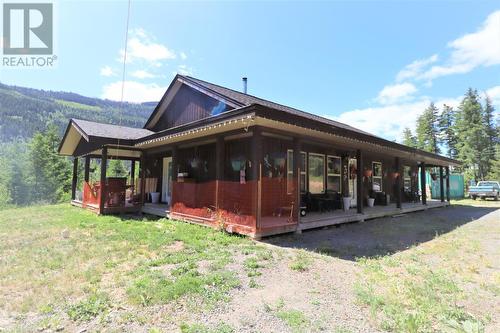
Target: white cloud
[[494, 94], [107, 71], [480, 48], [142, 74], [135, 92], [142, 46], [389, 121], [415, 68], [184, 70], [183, 56], [396, 93]]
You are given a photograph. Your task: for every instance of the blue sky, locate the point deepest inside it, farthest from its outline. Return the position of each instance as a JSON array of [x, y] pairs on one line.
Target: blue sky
[[374, 65]]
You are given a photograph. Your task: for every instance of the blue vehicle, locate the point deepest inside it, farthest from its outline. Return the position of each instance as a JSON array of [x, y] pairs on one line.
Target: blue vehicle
[[485, 189]]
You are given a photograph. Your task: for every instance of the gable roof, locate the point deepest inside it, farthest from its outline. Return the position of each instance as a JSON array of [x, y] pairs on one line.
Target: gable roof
[[91, 128], [246, 100], [82, 136]]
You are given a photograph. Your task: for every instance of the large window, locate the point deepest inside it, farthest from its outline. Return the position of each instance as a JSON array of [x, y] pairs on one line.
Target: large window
[[289, 171], [316, 173], [377, 176], [303, 171], [407, 178], [334, 166]]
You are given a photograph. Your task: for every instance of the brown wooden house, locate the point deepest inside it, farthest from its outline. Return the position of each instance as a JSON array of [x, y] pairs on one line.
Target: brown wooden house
[[213, 155]]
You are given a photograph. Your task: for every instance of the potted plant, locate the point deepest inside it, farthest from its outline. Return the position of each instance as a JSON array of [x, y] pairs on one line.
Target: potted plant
[[371, 199], [346, 200], [368, 173]]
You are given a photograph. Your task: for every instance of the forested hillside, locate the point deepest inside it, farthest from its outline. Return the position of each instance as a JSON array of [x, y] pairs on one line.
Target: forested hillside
[[31, 124], [25, 111]]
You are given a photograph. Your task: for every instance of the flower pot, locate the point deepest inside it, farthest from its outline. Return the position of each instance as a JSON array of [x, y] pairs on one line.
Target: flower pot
[[368, 173], [347, 203], [371, 202], [155, 197]]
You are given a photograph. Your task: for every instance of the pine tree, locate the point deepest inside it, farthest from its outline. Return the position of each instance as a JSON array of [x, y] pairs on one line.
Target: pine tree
[[409, 139], [51, 172], [472, 136], [491, 130], [447, 131], [427, 130]]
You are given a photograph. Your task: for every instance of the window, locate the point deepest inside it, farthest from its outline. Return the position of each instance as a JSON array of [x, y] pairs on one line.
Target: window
[[334, 165], [316, 173], [303, 172], [407, 178], [377, 176], [289, 171]]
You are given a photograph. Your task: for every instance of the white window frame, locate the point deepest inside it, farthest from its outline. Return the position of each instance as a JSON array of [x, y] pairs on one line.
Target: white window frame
[[381, 177], [323, 156], [328, 174], [289, 171]]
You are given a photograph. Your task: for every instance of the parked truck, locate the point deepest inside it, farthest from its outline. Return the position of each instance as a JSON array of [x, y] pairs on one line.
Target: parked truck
[[485, 189]]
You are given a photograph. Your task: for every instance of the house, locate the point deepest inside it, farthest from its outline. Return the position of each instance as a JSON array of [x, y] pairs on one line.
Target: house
[[216, 156]]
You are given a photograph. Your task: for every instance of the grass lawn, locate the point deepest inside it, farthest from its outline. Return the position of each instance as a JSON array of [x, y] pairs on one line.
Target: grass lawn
[[65, 269]]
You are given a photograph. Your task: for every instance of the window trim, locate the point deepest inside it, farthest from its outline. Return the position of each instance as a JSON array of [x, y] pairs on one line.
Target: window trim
[[323, 156], [304, 172], [381, 177], [289, 171], [328, 174]]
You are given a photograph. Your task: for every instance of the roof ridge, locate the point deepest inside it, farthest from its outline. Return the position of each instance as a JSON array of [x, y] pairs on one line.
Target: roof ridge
[[279, 104]]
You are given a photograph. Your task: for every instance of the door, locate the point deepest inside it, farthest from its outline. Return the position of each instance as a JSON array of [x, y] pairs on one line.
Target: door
[[353, 189], [166, 190]]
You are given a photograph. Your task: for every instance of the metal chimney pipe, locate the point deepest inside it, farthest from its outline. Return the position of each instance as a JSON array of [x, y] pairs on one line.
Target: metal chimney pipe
[[245, 80]]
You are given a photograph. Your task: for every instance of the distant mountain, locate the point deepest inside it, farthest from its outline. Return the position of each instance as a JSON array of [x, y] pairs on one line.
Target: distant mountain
[[24, 111]]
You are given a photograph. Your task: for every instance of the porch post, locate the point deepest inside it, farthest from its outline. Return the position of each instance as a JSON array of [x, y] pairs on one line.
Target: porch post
[[256, 152], [448, 183], [75, 178], [175, 162], [441, 185], [86, 169], [359, 181], [423, 183], [104, 162], [398, 183], [219, 167], [132, 172], [297, 147], [143, 177]]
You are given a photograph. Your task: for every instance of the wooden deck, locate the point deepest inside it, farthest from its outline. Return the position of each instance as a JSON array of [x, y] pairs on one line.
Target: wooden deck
[[318, 220], [161, 210]]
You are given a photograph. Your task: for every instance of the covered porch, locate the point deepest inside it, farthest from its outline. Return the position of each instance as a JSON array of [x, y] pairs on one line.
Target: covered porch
[[318, 220]]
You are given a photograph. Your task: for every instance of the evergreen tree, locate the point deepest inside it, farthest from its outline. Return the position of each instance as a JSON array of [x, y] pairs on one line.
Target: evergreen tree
[[51, 172], [409, 139], [427, 130], [471, 136], [447, 131], [116, 168], [491, 134]]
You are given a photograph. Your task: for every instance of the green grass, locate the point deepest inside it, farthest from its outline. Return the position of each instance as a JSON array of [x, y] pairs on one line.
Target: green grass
[[301, 261], [89, 308], [146, 261], [408, 293], [200, 328], [296, 320]]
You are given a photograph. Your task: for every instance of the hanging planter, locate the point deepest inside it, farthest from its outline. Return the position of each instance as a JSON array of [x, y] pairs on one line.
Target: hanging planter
[[195, 163], [434, 176], [394, 175], [368, 173], [237, 164]]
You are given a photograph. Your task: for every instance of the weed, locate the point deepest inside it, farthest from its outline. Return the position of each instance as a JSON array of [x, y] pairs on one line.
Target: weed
[[301, 262], [89, 308]]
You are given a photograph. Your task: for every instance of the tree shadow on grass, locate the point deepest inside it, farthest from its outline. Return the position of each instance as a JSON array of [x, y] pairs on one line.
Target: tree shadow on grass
[[382, 236]]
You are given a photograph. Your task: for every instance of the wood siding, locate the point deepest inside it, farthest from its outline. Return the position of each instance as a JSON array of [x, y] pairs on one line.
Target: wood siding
[[187, 106]]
